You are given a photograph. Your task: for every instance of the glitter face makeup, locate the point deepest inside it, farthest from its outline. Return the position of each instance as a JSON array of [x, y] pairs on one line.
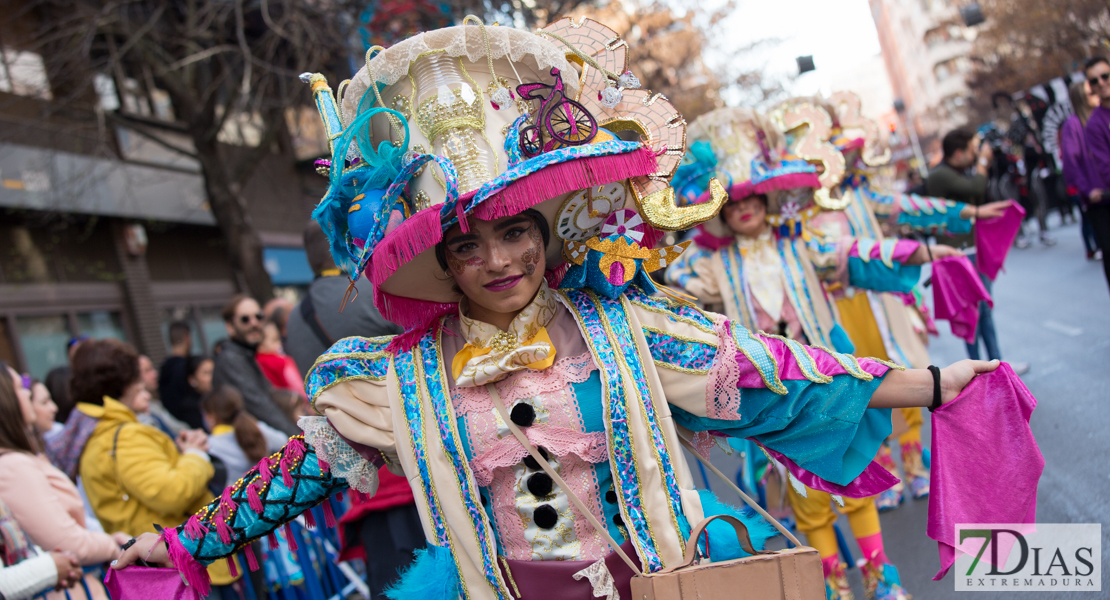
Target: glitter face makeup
[[531, 256], [497, 265], [458, 266]]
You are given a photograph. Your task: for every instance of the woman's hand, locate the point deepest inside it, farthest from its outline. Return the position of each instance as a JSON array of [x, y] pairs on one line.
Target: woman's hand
[[922, 254], [955, 377], [192, 439], [990, 210], [149, 547], [121, 538], [69, 570], [914, 387]]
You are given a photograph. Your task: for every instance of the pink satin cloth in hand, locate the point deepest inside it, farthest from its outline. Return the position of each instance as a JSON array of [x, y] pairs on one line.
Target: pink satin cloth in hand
[[985, 461], [137, 582], [957, 291], [995, 237]]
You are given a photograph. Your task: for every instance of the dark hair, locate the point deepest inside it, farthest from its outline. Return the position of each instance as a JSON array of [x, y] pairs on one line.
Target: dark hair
[[179, 330], [317, 247], [225, 405], [228, 313], [288, 401], [956, 140], [1094, 60], [13, 429], [194, 362], [537, 218], [103, 368]]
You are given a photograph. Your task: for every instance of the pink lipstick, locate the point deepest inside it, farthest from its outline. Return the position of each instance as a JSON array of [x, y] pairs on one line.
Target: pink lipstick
[[501, 285]]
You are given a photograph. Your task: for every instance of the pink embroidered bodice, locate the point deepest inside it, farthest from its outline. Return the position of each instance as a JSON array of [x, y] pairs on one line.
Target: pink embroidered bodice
[[560, 411]]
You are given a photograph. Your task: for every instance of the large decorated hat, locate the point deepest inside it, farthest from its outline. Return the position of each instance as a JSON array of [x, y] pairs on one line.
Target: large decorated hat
[[741, 148], [486, 122], [808, 128], [853, 131]]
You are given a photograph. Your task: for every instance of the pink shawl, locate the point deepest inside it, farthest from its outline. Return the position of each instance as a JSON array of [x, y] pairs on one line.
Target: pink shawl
[[995, 237], [957, 291], [985, 461]]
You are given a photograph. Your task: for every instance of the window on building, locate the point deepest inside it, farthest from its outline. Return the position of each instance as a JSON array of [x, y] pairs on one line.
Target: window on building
[[213, 325], [186, 314], [7, 347], [242, 129], [23, 73], [44, 340], [101, 324]]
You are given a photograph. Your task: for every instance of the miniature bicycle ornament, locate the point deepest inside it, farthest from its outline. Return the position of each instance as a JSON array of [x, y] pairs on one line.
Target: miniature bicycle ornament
[[559, 121]]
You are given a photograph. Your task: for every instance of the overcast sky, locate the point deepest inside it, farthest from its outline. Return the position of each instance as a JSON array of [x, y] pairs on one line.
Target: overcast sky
[[840, 34]]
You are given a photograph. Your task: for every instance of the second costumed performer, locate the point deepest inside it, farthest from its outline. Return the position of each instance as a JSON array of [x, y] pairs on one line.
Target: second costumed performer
[[766, 264], [512, 199]]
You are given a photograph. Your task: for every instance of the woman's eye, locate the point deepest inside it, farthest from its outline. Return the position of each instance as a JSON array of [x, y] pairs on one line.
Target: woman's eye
[[464, 248], [515, 232]]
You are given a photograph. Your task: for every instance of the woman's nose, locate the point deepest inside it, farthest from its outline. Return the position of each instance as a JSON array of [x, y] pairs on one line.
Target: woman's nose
[[499, 257]]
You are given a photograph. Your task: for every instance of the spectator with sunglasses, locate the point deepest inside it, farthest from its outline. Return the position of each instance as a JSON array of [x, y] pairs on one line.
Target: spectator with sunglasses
[[236, 365], [1097, 132]]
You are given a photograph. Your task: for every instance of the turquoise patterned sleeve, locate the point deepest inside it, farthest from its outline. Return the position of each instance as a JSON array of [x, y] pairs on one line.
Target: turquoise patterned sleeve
[[922, 213], [680, 272], [808, 403], [273, 493], [350, 358], [880, 266]]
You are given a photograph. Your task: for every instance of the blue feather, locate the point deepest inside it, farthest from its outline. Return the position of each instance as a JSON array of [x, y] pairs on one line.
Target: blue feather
[[369, 176], [431, 576], [723, 544]]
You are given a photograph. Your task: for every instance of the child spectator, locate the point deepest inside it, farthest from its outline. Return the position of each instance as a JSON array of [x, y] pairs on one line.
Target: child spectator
[[237, 438]]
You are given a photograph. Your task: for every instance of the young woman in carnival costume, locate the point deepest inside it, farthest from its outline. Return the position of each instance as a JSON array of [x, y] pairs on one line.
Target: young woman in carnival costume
[[765, 263], [880, 324], [467, 205]]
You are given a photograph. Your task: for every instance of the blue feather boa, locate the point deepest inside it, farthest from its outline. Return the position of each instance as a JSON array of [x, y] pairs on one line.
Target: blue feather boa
[[722, 537], [431, 576]]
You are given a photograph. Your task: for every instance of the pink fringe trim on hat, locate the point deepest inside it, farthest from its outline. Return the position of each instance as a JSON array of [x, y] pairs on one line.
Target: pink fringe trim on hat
[[415, 235], [707, 240], [411, 313], [746, 189], [558, 179]]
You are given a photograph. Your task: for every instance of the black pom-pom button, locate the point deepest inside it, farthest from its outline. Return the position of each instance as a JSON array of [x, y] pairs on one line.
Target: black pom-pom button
[[617, 520], [611, 497], [540, 485], [545, 516], [531, 462], [523, 415]]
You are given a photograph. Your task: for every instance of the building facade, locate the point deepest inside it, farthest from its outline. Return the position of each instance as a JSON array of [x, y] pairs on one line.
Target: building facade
[[107, 233], [925, 48]]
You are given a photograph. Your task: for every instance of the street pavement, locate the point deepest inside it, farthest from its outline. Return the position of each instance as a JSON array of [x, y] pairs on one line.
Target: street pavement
[[1052, 310]]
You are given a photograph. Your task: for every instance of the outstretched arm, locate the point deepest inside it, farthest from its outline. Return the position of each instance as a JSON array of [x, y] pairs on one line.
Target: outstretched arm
[[819, 408], [308, 470], [914, 387]]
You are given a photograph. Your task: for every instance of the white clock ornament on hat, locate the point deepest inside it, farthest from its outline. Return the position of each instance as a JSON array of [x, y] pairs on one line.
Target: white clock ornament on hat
[[584, 212]]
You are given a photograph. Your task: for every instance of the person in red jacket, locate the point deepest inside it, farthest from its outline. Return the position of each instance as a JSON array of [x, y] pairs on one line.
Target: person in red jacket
[[276, 365], [383, 530]]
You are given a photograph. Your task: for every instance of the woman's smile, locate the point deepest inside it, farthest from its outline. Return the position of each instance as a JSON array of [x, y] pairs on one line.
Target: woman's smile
[[505, 283]]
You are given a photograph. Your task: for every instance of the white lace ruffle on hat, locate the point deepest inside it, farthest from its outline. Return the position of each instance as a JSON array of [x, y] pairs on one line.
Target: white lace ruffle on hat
[[462, 40]]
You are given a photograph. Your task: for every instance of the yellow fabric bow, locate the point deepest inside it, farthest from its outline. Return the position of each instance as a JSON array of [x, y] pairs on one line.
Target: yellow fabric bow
[[491, 354]]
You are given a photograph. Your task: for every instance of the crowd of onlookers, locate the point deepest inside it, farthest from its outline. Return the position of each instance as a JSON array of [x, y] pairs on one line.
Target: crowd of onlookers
[[1085, 153], [110, 445]]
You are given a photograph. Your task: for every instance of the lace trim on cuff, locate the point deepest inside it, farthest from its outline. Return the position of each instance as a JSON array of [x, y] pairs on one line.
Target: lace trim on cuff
[[342, 460], [722, 395]]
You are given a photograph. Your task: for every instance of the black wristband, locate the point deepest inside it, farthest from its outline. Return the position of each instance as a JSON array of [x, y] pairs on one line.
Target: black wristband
[[935, 370]]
